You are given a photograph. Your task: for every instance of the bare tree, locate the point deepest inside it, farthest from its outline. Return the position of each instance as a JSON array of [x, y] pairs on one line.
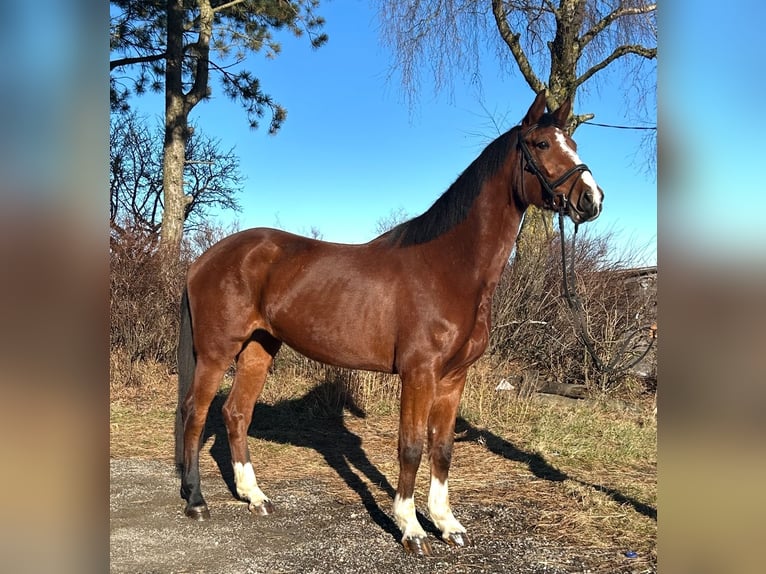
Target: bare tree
[[212, 178], [135, 175], [175, 45], [394, 218], [560, 46]]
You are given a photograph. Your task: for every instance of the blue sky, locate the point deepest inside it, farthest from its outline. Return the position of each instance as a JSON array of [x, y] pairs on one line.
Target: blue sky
[[713, 79], [352, 151]]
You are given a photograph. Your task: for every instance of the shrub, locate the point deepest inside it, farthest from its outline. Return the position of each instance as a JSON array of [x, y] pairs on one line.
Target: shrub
[[144, 297], [534, 329]]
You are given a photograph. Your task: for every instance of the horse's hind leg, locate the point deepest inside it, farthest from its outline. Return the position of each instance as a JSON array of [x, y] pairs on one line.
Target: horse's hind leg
[[207, 378], [253, 364]]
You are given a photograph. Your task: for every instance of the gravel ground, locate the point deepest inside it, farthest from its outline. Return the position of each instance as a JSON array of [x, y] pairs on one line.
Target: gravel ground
[[310, 532]]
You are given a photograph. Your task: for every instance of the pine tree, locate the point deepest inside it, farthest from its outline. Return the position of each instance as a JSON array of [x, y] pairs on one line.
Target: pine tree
[[176, 46]]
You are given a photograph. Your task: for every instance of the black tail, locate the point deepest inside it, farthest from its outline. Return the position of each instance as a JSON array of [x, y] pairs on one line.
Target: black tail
[[186, 366]]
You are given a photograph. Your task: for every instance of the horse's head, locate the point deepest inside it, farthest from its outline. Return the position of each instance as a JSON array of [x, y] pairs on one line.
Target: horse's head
[[553, 175]]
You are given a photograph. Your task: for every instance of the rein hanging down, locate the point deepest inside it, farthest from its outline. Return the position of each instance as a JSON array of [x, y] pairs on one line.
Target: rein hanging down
[[569, 288]]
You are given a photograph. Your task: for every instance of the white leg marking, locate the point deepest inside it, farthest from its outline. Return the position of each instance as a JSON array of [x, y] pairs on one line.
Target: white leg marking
[[439, 508], [247, 485], [406, 520], [586, 176]]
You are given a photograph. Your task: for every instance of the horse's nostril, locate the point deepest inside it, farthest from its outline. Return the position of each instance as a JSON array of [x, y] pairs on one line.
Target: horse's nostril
[[586, 199]]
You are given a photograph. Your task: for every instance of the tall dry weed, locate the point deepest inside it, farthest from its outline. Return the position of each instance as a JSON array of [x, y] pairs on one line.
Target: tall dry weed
[[144, 296], [534, 329]]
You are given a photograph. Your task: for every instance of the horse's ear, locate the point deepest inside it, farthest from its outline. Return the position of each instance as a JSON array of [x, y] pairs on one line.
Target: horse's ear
[[536, 110], [562, 113]]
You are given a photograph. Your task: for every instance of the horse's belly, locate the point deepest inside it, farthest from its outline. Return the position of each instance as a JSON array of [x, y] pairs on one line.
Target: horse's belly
[[355, 337]]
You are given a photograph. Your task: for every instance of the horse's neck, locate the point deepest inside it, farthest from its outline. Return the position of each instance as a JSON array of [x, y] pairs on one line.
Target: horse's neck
[[490, 231]]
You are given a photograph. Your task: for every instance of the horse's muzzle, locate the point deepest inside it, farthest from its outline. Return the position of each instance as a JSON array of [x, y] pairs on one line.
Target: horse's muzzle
[[588, 206]]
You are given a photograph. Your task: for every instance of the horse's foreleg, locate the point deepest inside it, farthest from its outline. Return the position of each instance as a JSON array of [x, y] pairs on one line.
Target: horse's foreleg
[[207, 378], [415, 403], [252, 367], [441, 434]]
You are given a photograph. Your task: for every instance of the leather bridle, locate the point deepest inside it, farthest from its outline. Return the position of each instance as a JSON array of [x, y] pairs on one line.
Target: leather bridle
[[549, 195]]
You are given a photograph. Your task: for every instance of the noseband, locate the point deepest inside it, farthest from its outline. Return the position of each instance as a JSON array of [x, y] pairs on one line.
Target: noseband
[[549, 195]]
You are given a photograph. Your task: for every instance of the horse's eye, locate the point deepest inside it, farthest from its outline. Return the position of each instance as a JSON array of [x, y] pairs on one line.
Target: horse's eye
[[542, 145]]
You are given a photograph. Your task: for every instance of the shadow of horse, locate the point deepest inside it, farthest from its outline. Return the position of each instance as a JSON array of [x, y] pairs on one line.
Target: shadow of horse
[[314, 421], [538, 466], [322, 428]]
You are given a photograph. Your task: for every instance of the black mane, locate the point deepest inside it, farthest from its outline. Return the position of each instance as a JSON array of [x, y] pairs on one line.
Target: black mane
[[455, 203]]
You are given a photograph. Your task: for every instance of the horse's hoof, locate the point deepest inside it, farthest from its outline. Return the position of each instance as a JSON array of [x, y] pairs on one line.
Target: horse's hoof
[[263, 509], [198, 512], [419, 546], [458, 539]]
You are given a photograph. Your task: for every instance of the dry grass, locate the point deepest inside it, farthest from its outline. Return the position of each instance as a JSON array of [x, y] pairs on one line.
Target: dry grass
[[583, 472]]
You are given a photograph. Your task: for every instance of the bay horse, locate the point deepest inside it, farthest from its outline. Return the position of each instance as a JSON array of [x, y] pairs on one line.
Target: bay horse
[[414, 301]]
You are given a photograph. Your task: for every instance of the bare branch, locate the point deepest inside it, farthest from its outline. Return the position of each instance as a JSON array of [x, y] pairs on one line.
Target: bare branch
[[513, 43], [136, 60], [578, 119], [620, 12], [649, 53], [223, 7], [202, 48]]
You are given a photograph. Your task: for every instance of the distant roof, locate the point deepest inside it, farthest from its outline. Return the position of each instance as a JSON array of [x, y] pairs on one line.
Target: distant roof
[[636, 272]]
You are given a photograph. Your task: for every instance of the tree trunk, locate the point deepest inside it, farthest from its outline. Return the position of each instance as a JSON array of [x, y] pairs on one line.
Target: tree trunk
[[175, 200], [175, 137], [177, 108], [535, 234]]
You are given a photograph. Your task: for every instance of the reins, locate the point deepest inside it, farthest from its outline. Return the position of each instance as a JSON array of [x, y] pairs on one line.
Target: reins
[[578, 313], [570, 291]]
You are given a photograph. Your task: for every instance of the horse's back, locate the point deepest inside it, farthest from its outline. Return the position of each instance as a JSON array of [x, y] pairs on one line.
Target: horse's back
[[332, 302]]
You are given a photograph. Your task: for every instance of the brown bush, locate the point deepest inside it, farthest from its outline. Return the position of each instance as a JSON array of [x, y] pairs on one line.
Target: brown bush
[[145, 291], [534, 329]]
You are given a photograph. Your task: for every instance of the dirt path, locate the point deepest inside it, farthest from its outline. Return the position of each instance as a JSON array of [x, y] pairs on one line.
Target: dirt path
[[312, 532]]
